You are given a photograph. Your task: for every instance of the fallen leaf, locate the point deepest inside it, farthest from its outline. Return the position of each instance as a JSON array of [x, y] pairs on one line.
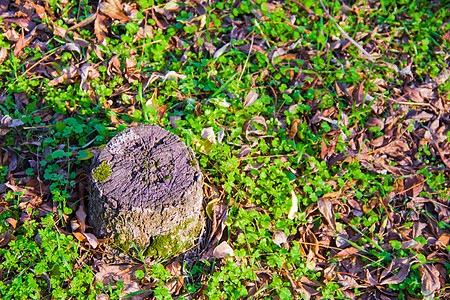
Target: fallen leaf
[[3, 54], [5, 238], [173, 74], [210, 207], [100, 28], [110, 274], [414, 185], [92, 240], [370, 279], [161, 111], [223, 250], [279, 238], [444, 152], [67, 74], [220, 136], [12, 222], [347, 252], [3, 6], [398, 277], [221, 50], [20, 44], [359, 99], [294, 206], [172, 5], [430, 279], [251, 127], [81, 216], [293, 130], [251, 97], [113, 12], [326, 208], [174, 268], [208, 134], [59, 31], [79, 236]]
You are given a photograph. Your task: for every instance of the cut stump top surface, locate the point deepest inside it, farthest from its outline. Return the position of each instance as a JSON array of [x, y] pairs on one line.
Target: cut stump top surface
[[149, 168]]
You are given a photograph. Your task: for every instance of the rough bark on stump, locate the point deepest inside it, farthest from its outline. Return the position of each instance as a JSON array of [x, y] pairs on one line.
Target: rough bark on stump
[[147, 188]]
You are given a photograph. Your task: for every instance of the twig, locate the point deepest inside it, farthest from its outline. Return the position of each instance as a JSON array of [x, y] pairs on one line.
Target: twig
[[346, 35], [248, 56]]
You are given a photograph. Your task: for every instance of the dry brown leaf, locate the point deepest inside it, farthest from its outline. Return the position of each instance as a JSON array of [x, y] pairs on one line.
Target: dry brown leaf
[[446, 36], [223, 250], [87, 71], [245, 150], [81, 216], [16, 188], [115, 3], [347, 252], [293, 130], [5, 238], [12, 222], [220, 136], [174, 268], [375, 122], [100, 28], [208, 134], [79, 236], [221, 50], [360, 97], [219, 217], [173, 75], [444, 240], [110, 274], [91, 239], [161, 111], [74, 225], [113, 12], [114, 65], [326, 209], [83, 23], [59, 31], [251, 97], [251, 129], [414, 185], [3, 6], [370, 279], [3, 54], [67, 74], [20, 44], [403, 264], [430, 279], [443, 77], [279, 238]]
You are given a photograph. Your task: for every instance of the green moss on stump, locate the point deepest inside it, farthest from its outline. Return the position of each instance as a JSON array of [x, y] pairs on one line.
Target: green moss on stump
[[102, 172], [171, 243]]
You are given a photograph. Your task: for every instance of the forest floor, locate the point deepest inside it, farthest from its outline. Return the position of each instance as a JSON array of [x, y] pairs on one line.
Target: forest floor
[[322, 131]]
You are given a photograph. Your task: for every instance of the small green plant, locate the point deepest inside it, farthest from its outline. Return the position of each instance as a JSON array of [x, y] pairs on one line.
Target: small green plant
[[42, 267]]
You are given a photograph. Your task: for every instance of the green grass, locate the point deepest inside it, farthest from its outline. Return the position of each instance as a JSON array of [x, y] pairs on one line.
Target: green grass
[[331, 159]]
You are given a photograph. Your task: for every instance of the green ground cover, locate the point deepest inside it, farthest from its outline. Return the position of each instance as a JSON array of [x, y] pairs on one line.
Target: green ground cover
[[326, 170]]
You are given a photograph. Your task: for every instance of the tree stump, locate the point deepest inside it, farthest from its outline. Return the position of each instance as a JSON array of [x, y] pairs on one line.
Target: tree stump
[[147, 189]]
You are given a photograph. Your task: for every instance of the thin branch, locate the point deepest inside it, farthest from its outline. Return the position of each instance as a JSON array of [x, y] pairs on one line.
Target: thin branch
[[346, 35]]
